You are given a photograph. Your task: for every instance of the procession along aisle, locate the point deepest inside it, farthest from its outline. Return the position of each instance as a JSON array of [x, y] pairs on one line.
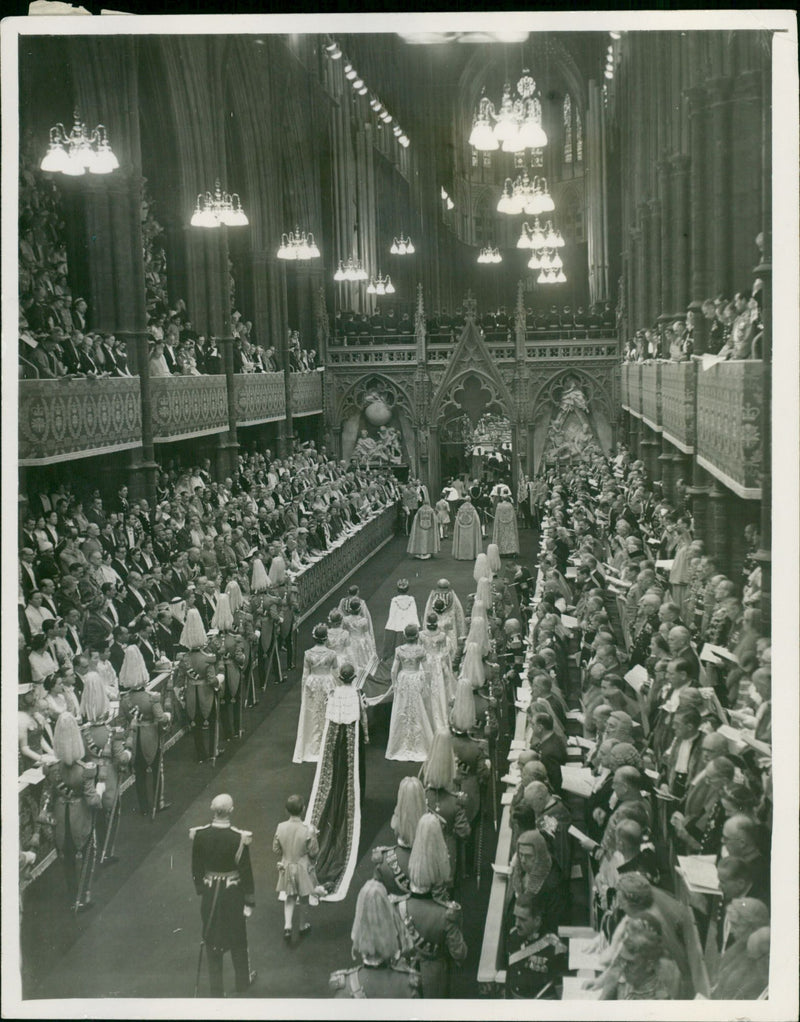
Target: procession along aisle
[[153, 953]]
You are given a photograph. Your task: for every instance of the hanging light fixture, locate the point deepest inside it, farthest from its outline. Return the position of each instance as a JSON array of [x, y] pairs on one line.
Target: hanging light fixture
[[298, 246], [402, 247], [218, 209], [526, 194], [351, 271], [490, 255], [380, 285], [79, 151], [350, 72], [516, 125], [333, 50]]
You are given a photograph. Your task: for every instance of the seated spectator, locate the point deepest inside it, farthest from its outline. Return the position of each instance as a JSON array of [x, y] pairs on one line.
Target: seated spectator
[[535, 957], [643, 970], [743, 972]]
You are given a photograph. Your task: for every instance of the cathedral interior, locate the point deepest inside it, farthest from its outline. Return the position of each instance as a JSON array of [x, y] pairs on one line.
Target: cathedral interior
[[389, 278]]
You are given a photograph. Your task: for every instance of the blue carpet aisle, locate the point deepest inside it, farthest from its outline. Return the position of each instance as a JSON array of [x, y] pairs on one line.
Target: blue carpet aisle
[[142, 938]]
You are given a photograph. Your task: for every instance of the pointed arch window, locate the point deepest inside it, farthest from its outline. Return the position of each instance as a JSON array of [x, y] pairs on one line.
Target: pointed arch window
[[567, 121], [578, 136]]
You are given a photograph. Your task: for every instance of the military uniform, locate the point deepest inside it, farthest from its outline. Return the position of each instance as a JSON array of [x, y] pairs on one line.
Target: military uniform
[[379, 980], [196, 674], [391, 868], [449, 807], [223, 877], [142, 714], [532, 963], [106, 747], [73, 799], [433, 930], [233, 656]]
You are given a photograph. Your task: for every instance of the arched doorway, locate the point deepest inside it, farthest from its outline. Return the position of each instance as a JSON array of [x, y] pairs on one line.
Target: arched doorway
[[474, 431]]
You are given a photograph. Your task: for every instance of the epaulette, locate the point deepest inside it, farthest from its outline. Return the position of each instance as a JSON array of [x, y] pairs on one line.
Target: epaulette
[[194, 830], [246, 836], [378, 851], [338, 980], [453, 909], [401, 966]]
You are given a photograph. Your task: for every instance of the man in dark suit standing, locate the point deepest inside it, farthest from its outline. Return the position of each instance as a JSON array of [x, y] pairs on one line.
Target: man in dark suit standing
[[551, 749]]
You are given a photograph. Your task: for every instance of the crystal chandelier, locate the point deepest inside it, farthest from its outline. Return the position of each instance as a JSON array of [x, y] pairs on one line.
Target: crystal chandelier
[[218, 209], [351, 270], [490, 255], [75, 153], [517, 125], [537, 239], [525, 195], [544, 245], [380, 285], [298, 246], [402, 247]]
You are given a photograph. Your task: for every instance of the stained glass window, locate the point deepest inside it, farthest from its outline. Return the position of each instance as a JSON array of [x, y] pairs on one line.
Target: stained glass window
[[567, 129], [578, 136]]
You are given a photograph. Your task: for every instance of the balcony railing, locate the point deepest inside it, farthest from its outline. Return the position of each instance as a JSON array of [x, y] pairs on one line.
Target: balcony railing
[[306, 392], [715, 413], [374, 351], [677, 404], [730, 424], [188, 406], [651, 397], [64, 419], [259, 397]]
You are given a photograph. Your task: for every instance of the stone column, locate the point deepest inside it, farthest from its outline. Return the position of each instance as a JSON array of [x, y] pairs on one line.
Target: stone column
[[667, 227], [720, 167], [667, 473], [698, 495], [650, 448], [741, 513], [718, 523], [434, 461], [633, 436], [680, 231], [681, 469], [700, 284], [745, 173]]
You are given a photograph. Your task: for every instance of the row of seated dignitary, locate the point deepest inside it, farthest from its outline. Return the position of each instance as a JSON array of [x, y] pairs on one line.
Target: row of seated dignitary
[[202, 588], [669, 773]]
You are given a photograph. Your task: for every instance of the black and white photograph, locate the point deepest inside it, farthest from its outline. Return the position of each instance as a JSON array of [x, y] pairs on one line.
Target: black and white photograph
[[400, 513]]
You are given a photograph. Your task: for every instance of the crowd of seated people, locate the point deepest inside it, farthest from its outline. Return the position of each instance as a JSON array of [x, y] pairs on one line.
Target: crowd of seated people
[[679, 751], [384, 326], [101, 572], [733, 330]]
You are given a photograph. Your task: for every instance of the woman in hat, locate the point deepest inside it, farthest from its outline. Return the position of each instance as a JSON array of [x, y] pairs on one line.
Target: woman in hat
[[410, 728], [643, 970], [391, 862], [334, 808], [33, 732], [320, 668], [432, 923], [376, 945]]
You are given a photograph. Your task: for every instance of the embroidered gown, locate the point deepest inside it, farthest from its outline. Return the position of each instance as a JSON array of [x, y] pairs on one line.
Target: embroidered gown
[[467, 539], [410, 730], [319, 680], [338, 640], [360, 649], [441, 683]]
